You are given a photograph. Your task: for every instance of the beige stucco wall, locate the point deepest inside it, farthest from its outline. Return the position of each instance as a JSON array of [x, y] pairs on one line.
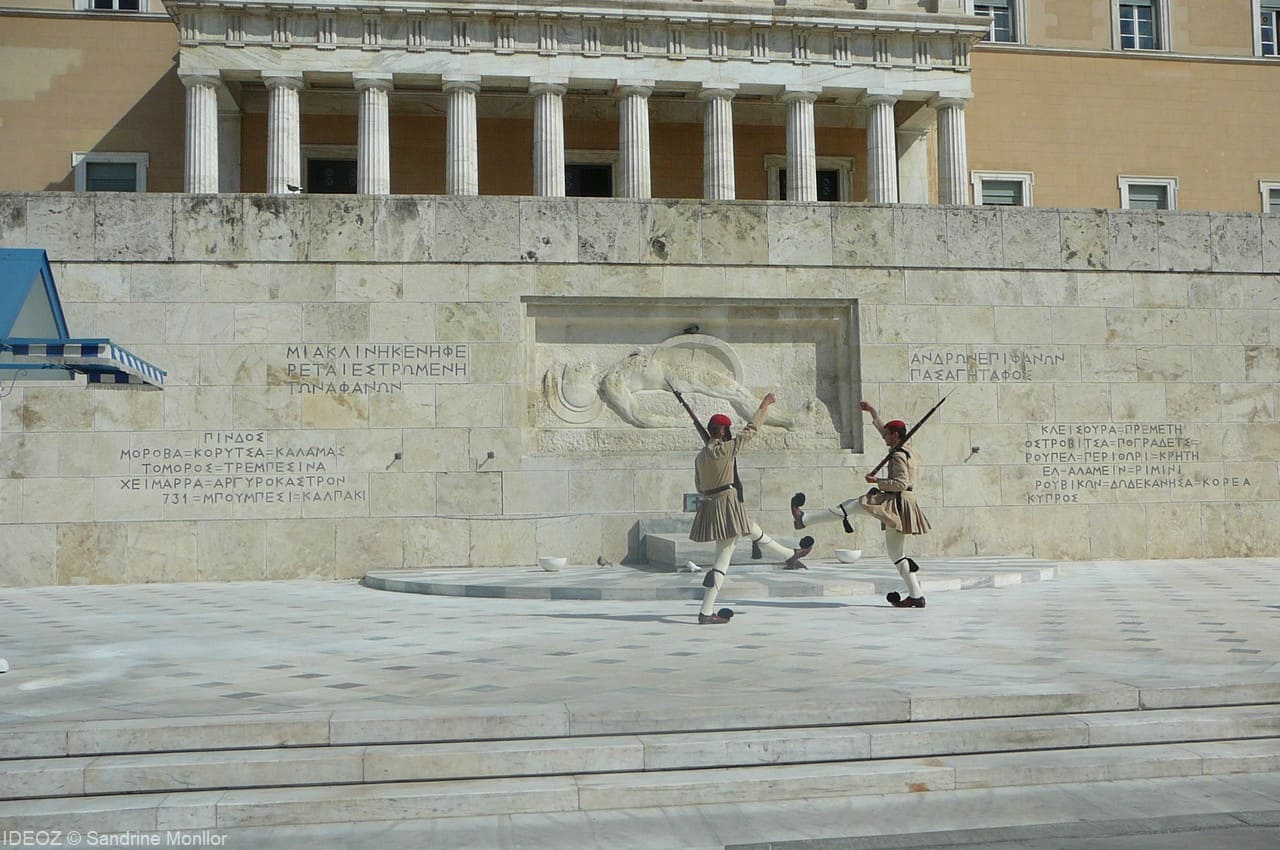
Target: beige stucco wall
[[88, 84], [1144, 346], [1080, 122], [1205, 27]]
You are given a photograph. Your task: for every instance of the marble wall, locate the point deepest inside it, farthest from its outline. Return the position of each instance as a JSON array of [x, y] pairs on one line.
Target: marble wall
[[352, 380]]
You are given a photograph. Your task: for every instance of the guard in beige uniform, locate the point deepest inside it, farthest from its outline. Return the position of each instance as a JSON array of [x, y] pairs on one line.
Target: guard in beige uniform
[[721, 516], [892, 501]]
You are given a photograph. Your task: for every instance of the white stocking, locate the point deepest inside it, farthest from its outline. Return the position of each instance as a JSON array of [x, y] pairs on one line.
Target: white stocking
[[894, 542], [835, 514], [724, 552], [768, 544]]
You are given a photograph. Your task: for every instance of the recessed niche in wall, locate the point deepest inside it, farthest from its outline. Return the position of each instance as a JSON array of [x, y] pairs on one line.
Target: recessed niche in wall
[[598, 371]]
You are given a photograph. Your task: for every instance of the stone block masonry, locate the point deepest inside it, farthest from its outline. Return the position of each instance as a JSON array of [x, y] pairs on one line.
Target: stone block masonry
[[361, 382]]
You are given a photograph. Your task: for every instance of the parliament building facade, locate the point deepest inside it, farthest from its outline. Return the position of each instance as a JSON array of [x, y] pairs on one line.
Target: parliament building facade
[[1055, 103]]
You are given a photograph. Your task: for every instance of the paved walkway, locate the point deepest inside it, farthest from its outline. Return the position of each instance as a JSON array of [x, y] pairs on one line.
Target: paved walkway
[[211, 649], [218, 649]]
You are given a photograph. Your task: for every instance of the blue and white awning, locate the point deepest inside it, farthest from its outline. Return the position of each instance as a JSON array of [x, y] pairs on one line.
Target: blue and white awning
[[34, 341], [100, 360]]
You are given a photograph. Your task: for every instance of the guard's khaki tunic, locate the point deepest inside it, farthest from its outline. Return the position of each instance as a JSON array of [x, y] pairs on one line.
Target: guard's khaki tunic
[[893, 499], [720, 515]]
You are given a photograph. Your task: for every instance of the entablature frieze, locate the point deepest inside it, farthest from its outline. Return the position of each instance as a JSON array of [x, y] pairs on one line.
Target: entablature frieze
[[889, 34]]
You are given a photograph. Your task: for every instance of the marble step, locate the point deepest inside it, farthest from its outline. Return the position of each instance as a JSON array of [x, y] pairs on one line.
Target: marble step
[[355, 764], [398, 801], [841, 706]]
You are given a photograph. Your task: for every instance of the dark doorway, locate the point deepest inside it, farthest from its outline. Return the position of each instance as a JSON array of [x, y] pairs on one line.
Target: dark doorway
[[588, 181], [331, 176]]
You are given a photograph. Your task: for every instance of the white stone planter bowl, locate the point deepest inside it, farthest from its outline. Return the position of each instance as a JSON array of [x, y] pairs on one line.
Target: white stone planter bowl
[[848, 556], [552, 565]]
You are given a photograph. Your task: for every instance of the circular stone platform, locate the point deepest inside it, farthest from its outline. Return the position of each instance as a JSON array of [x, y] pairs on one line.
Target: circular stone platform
[[823, 578]]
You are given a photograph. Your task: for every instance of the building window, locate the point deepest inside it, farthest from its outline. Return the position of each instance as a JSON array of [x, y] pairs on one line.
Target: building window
[[834, 177], [110, 172], [1270, 195], [1006, 20], [590, 174], [112, 5], [1267, 35], [1149, 193], [1002, 188], [1141, 24]]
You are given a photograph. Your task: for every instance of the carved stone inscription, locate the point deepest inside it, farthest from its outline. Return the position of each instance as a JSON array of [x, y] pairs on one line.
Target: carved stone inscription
[[982, 364], [373, 367], [1079, 462], [239, 468]]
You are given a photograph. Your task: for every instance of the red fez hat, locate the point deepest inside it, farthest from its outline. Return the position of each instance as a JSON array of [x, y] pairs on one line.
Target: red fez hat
[[720, 419], [896, 425]]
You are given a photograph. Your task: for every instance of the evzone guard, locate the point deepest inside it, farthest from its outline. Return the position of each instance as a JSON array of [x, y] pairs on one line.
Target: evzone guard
[[721, 517], [892, 501]]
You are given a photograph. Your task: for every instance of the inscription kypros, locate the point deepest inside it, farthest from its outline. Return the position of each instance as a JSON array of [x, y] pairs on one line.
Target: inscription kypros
[[240, 468], [970, 366], [374, 367], [1076, 459]]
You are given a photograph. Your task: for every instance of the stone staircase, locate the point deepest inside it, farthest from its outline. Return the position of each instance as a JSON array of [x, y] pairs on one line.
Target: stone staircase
[[664, 544], [330, 767]]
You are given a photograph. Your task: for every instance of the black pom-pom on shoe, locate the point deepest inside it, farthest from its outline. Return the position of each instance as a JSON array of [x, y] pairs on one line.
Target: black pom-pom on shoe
[[797, 515], [725, 613], [895, 598]]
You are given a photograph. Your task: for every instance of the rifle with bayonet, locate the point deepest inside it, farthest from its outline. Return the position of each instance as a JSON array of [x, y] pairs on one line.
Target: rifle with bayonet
[[706, 438], [907, 436]]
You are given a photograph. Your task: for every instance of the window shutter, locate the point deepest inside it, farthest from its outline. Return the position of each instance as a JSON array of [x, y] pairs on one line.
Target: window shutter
[[1005, 193], [1148, 197]]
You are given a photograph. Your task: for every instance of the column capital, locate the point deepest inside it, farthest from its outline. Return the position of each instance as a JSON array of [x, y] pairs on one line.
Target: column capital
[[711, 91], [200, 78], [873, 96], [366, 80], [807, 94], [644, 88], [944, 102], [283, 79], [548, 85], [461, 82]]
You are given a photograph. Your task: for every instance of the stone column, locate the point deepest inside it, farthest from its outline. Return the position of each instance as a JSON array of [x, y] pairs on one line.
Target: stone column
[[953, 151], [548, 136], [284, 131], [201, 161], [462, 157], [373, 157], [718, 183], [802, 156], [633, 140], [913, 166], [882, 148], [229, 150]]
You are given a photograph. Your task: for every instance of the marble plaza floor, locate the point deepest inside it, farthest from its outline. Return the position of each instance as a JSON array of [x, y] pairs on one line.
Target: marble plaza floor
[[145, 651]]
